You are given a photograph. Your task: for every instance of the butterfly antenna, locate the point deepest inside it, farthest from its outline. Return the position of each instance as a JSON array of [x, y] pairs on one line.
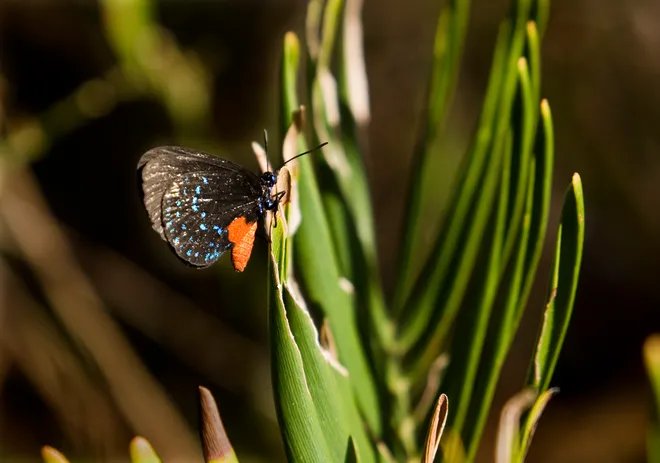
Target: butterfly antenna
[[269, 166], [306, 152]]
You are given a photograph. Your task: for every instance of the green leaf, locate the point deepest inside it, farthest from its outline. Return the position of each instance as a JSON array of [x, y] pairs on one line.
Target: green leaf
[[467, 216], [343, 181], [321, 278], [341, 115], [449, 39], [531, 422], [327, 384], [473, 321], [288, 79], [332, 100], [525, 133], [335, 404], [429, 313], [300, 425], [326, 398], [303, 393], [544, 155], [563, 286], [521, 277], [522, 270], [513, 439], [503, 327], [509, 427], [533, 55], [540, 14]]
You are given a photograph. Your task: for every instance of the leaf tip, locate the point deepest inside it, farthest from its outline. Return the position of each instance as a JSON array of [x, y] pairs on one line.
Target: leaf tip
[[141, 451], [545, 107], [291, 42], [577, 181], [52, 455], [532, 29], [216, 445], [436, 428], [576, 186], [652, 352]]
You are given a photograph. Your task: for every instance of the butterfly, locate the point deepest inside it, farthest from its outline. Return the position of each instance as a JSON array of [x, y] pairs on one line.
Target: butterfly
[[203, 205]]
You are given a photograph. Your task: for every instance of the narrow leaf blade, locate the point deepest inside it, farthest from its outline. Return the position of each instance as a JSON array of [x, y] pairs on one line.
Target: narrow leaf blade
[[563, 286]]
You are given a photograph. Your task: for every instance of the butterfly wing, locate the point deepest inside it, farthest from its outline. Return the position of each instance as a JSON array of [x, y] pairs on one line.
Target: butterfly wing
[[192, 198]]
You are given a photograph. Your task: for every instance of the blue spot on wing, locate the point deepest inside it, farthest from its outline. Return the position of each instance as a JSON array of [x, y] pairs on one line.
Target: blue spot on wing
[[195, 219]]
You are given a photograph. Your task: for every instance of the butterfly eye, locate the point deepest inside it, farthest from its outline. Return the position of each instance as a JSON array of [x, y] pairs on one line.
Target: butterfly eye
[[268, 179]]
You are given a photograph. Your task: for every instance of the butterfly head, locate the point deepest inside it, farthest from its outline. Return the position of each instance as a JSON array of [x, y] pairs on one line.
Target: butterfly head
[[268, 179], [269, 202]]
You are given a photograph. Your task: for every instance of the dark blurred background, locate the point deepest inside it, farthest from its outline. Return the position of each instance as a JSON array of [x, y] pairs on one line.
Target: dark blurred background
[[104, 334]]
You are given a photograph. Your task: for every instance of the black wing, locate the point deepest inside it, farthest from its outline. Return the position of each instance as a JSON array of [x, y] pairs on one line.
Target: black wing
[[192, 196]]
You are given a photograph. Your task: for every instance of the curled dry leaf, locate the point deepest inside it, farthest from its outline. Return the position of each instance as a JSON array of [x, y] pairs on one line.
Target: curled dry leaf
[[436, 427], [509, 426]]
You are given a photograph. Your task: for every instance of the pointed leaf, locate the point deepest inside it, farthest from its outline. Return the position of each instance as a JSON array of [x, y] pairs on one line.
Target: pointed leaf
[[436, 427], [509, 427], [142, 452], [563, 286], [215, 442], [51, 455], [449, 38], [532, 421]]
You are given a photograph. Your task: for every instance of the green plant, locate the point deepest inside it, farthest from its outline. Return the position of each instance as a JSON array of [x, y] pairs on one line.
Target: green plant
[[364, 386], [368, 390]]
